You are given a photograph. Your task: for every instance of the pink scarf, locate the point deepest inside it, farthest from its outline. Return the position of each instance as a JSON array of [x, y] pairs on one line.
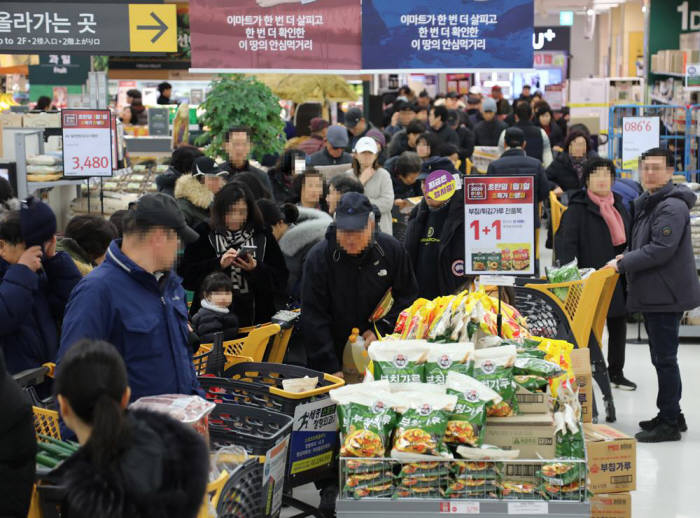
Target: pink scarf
[[611, 216]]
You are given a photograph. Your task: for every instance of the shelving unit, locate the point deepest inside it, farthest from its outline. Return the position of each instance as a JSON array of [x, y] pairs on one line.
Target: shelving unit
[[417, 508]]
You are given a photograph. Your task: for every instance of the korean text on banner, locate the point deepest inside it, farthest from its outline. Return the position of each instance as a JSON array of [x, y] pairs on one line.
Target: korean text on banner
[[499, 225], [450, 34], [639, 134], [314, 436], [274, 34], [87, 142]]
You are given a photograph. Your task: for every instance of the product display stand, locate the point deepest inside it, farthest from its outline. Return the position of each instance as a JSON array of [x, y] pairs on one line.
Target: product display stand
[[417, 508]]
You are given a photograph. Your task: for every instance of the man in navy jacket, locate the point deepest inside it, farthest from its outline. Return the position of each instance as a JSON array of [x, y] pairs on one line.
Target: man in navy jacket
[[135, 301]]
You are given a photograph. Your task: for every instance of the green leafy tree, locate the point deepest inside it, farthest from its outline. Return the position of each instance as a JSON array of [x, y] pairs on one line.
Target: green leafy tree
[[237, 100]]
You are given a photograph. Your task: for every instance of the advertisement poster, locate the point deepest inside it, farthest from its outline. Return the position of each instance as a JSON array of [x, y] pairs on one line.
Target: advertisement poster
[[499, 225], [450, 34], [638, 135], [87, 142], [273, 477], [314, 436], [276, 34]]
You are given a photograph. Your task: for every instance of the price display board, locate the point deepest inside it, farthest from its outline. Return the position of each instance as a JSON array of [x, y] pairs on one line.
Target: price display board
[[87, 142], [639, 134], [499, 225]]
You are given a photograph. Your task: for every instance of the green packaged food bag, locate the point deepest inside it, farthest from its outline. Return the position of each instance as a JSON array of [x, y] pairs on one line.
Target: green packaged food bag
[[421, 427], [445, 358], [568, 272], [494, 368], [537, 367], [467, 423], [399, 361], [531, 382], [562, 473]]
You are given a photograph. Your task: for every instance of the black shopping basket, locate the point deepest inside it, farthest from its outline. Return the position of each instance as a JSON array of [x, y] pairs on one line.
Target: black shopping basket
[[313, 446]]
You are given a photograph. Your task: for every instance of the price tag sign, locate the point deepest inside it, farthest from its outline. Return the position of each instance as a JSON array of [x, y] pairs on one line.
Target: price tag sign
[[639, 134], [460, 507], [87, 142], [499, 225], [528, 508]]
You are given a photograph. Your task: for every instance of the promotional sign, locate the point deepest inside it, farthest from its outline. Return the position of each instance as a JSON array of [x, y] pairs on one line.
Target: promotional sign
[[692, 75], [159, 121], [273, 477], [639, 134], [276, 34], [60, 69], [499, 225], [552, 38], [440, 185], [450, 34], [81, 27], [87, 142], [314, 434]]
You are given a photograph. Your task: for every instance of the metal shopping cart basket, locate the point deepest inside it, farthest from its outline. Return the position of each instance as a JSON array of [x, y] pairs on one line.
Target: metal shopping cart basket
[[313, 445], [578, 319]]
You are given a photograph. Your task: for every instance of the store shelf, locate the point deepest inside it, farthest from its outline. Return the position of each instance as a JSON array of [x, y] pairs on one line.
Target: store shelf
[[35, 186], [417, 508], [670, 74]]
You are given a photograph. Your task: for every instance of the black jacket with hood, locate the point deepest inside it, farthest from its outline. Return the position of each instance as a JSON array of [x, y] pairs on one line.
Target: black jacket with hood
[[450, 265], [193, 198], [340, 292], [561, 172], [161, 473], [660, 264], [584, 235]]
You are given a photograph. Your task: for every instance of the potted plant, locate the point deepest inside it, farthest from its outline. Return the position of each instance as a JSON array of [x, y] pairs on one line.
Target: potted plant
[[238, 100]]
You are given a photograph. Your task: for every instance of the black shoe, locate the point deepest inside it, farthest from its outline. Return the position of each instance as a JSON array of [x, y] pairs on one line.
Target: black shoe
[[329, 495], [662, 432], [652, 423], [623, 383]]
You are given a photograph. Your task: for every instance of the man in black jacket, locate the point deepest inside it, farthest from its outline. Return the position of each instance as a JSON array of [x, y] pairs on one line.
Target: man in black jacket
[[405, 140], [345, 277], [357, 127], [662, 282], [435, 238], [438, 123], [238, 148], [538, 145], [487, 132]]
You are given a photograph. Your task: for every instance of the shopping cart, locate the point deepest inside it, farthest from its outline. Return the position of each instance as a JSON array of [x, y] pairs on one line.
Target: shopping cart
[[251, 347], [579, 319], [556, 209], [313, 445]]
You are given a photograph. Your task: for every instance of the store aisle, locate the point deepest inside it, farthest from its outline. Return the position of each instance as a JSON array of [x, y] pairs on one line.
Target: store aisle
[[667, 472]]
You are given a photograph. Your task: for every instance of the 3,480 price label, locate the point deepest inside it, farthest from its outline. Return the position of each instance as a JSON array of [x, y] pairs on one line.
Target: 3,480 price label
[[87, 142]]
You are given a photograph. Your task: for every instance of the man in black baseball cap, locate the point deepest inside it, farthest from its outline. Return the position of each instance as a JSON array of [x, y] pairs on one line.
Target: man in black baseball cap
[[135, 301], [345, 277], [357, 126], [404, 113]]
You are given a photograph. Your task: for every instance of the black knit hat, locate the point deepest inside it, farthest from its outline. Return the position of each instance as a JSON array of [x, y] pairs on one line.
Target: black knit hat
[[37, 222]]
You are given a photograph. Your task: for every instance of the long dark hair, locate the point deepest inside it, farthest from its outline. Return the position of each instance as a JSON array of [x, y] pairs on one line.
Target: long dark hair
[[92, 377], [226, 197]]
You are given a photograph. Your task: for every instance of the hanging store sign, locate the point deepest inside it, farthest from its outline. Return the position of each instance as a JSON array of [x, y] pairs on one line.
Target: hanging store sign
[[276, 34], [60, 69], [87, 142], [450, 34], [80, 27], [552, 38]]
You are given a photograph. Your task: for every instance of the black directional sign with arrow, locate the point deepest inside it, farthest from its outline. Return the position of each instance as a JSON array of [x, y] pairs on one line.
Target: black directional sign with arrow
[[73, 28]]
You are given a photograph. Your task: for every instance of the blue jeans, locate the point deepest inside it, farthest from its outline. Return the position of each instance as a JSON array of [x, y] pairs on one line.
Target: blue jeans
[[662, 329]]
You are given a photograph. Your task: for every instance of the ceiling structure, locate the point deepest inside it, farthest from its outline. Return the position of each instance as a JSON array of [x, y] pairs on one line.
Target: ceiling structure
[[580, 6]]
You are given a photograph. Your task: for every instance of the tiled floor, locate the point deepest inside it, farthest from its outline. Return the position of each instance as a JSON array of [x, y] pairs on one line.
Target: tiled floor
[[666, 473]]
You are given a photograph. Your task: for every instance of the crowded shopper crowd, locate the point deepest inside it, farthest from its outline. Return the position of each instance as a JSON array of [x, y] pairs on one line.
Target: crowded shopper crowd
[[248, 242]]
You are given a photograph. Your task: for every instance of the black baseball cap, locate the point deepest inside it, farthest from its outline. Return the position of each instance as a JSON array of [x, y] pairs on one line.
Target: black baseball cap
[[162, 210], [514, 137], [401, 106], [352, 117], [452, 95], [436, 163], [204, 165], [352, 212]]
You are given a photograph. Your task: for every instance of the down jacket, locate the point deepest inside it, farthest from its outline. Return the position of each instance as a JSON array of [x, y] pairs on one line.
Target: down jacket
[[193, 198]]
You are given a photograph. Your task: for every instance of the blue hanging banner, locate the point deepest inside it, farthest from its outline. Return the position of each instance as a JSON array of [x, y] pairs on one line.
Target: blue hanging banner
[[447, 34]]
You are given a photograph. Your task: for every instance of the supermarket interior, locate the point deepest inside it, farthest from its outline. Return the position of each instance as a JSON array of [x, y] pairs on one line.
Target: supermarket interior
[[349, 258]]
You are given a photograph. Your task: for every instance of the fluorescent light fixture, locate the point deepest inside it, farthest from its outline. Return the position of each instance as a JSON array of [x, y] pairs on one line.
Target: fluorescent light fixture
[[566, 18]]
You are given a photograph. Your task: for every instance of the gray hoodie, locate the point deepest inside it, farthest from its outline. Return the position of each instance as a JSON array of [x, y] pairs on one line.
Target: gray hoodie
[[309, 229], [660, 264]]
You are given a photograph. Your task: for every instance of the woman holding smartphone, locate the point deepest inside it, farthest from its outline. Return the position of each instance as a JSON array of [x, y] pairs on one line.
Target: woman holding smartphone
[[236, 242]]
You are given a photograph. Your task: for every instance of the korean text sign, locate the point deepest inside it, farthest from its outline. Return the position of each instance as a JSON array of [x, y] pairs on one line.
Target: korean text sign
[[274, 34], [314, 436], [499, 225], [449, 34], [87, 142]]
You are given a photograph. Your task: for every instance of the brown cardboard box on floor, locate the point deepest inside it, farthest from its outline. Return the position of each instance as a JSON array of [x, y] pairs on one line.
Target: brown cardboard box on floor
[[618, 505], [533, 402], [612, 459], [532, 434], [581, 365]]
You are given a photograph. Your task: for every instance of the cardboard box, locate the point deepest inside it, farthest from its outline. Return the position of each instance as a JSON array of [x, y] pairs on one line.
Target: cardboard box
[[612, 459], [10, 119], [581, 365], [618, 505], [532, 434], [533, 402], [42, 120]]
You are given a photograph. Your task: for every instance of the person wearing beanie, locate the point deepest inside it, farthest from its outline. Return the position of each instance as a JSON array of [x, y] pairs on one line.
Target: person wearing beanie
[[488, 130], [35, 283]]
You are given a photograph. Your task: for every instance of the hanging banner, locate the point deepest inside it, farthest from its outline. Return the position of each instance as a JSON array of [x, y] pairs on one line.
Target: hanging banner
[[276, 34], [450, 34], [499, 225]]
